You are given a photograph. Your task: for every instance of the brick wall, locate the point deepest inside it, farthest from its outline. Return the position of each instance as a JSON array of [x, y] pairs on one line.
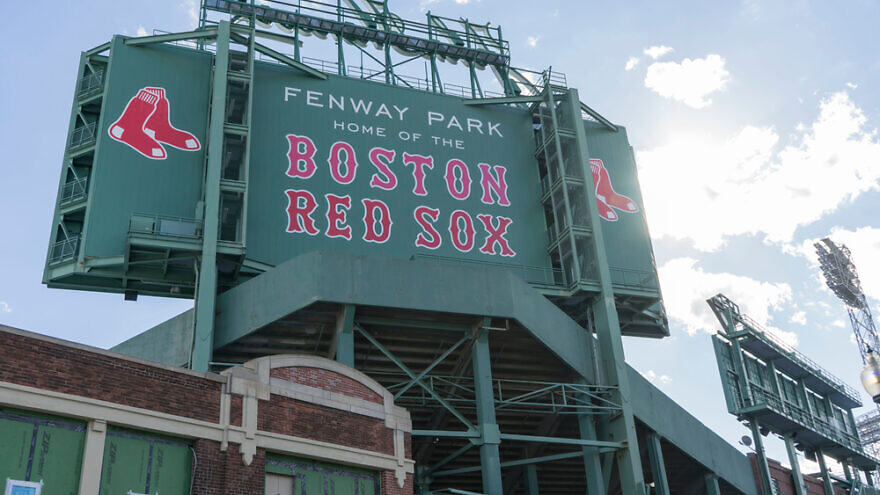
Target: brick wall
[[292, 417], [783, 477], [59, 368], [77, 370], [223, 472], [326, 380], [388, 484]]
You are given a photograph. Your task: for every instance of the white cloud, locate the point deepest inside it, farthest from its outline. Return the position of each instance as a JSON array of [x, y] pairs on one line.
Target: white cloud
[[531, 40], [656, 52], [686, 288], [800, 318], [852, 85], [4, 308], [141, 31], [700, 189], [690, 81], [654, 378], [191, 8], [631, 63], [838, 324]]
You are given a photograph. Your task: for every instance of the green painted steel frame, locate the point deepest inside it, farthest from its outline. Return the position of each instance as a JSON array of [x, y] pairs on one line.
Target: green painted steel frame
[[385, 26]]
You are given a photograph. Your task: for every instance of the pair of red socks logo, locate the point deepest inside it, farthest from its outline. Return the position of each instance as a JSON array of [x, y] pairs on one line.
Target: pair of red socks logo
[[145, 125], [606, 197]]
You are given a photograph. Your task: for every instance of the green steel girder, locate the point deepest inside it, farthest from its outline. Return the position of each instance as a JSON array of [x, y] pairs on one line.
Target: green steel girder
[[167, 38], [603, 445], [658, 467], [418, 379], [446, 460], [265, 50], [206, 292], [502, 100], [408, 323], [518, 462], [98, 49], [490, 458], [413, 376], [370, 281], [342, 348], [611, 356], [446, 433], [596, 115]]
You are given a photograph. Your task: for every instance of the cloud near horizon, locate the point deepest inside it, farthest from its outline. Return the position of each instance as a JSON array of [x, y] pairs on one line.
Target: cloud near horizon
[[705, 190]]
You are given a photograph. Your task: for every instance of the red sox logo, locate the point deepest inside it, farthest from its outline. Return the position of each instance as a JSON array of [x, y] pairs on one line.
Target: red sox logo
[[145, 125], [606, 197]]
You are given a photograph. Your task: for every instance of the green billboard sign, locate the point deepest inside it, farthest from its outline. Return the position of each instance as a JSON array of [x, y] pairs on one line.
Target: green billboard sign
[[358, 166], [149, 155], [334, 164]]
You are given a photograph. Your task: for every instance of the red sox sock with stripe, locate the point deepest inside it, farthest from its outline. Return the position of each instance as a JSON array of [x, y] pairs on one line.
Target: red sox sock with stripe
[[129, 128], [159, 125]]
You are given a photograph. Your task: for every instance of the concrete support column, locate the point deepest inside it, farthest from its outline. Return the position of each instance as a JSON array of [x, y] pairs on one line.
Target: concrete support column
[[712, 487], [763, 468], [206, 296], [826, 479], [592, 461], [93, 457], [531, 474], [343, 341], [658, 467], [490, 435]]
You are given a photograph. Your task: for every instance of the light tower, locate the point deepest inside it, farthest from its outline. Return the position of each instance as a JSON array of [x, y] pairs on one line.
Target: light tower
[[843, 279]]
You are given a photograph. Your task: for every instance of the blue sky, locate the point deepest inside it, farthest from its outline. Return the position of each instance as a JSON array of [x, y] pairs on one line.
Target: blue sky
[[754, 125]]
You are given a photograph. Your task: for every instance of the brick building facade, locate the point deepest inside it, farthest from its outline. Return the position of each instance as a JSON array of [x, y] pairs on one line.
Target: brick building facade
[[286, 410]]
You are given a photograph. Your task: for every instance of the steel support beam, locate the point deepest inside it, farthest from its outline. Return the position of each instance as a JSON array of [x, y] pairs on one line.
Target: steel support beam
[[265, 50], [206, 297], [612, 362], [797, 477], [592, 459], [165, 38], [604, 446], [519, 462], [490, 458], [531, 479], [712, 487], [412, 375], [343, 341], [504, 100], [658, 467], [823, 472], [763, 468], [599, 117]]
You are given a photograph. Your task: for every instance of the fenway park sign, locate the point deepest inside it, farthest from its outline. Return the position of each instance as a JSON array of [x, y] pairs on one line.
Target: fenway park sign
[[376, 220]]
